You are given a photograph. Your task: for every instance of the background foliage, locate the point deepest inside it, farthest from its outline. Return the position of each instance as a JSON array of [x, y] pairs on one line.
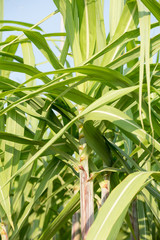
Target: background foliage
[[100, 114]]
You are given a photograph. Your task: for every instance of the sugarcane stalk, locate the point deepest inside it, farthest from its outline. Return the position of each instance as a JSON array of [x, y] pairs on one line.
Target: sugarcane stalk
[[86, 187], [86, 200], [76, 234]]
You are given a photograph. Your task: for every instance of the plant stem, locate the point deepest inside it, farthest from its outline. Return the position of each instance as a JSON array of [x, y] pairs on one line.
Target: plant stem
[[76, 226], [86, 187], [86, 199]]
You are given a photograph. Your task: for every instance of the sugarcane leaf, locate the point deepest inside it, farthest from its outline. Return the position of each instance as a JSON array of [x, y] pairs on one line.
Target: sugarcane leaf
[[134, 53], [152, 204], [65, 7], [11, 137], [100, 30], [40, 42], [21, 23], [87, 25], [19, 67], [142, 219], [124, 122], [144, 19], [127, 22], [65, 214], [12, 28], [11, 50], [96, 141], [153, 6], [62, 131], [48, 175], [112, 213], [7, 54], [114, 16], [124, 38]]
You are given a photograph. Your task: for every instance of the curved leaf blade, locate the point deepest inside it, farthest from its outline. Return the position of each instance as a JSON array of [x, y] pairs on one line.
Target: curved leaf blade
[[23, 68], [153, 6], [112, 213], [124, 122], [65, 214], [42, 45]]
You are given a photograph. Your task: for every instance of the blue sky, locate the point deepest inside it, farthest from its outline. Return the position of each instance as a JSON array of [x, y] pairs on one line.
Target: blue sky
[[30, 11], [33, 11]]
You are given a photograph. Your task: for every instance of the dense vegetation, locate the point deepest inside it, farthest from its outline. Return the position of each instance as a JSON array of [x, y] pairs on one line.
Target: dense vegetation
[[79, 145]]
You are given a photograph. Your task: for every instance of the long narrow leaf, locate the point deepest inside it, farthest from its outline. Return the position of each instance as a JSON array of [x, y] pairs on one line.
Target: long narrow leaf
[[153, 6], [65, 214], [42, 45], [112, 213]]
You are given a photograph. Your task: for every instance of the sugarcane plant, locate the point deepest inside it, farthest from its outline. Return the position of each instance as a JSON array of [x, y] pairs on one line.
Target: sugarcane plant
[[79, 144]]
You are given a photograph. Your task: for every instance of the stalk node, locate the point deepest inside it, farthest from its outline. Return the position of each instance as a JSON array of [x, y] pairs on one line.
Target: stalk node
[[82, 158], [81, 168]]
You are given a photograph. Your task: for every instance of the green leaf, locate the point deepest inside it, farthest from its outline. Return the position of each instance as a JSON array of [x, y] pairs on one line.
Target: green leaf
[[152, 204], [23, 190], [28, 54], [114, 16], [124, 38], [96, 141], [15, 122], [62, 131], [61, 219], [21, 23], [153, 6], [23, 68], [42, 45], [135, 53], [142, 219], [18, 139], [50, 86], [127, 22], [144, 19], [87, 27], [50, 172], [7, 54], [11, 28], [65, 7], [64, 52], [111, 77], [100, 30], [123, 122], [113, 211], [29, 59], [11, 50]]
